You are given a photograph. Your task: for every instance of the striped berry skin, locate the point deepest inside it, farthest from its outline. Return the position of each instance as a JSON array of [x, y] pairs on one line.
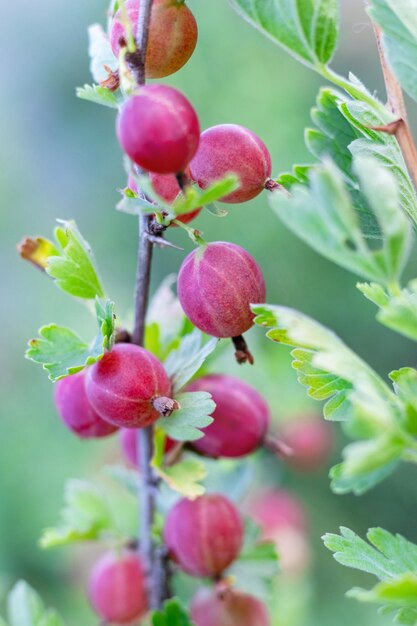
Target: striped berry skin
[[166, 186], [129, 445], [159, 129], [172, 39], [230, 608], [117, 587], [204, 536], [241, 417], [216, 285], [76, 411], [123, 384], [232, 149]]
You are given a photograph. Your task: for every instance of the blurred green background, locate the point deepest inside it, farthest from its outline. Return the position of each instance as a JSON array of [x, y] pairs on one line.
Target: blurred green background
[[59, 158]]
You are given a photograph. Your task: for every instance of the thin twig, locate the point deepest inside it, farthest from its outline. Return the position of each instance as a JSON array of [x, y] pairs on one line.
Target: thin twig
[[396, 104], [148, 486]]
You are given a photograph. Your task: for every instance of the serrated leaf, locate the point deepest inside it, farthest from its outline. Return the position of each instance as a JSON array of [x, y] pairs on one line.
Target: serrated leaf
[[84, 517], [98, 95], [183, 363], [307, 29], [324, 216], [397, 19], [374, 415], [398, 310], [391, 558], [184, 477], [185, 423], [74, 270], [257, 565], [171, 614], [62, 352]]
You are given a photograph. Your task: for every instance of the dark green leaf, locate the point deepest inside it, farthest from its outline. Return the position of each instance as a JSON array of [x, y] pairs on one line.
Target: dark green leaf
[[172, 614]]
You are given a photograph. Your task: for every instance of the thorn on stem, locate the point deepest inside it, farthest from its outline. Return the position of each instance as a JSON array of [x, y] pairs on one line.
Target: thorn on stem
[[391, 128], [242, 354]]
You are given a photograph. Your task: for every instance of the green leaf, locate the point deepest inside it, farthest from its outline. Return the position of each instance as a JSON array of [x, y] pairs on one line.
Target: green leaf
[[257, 566], [62, 352], [195, 411], [183, 363], [405, 386], [184, 477], [307, 29], [135, 203], [74, 270], [86, 516], [329, 369], [194, 197], [106, 319], [397, 19], [25, 608], [172, 614], [391, 558], [397, 311], [324, 216], [98, 95]]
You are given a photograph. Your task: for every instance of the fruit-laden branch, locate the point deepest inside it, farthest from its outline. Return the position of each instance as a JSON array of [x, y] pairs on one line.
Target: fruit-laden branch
[[148, 484]]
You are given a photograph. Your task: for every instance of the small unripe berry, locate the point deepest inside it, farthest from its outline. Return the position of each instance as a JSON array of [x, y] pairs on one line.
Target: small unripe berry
[[159, 129], [167, 187], [241, 417], [117, 588], [283, 521], [204, 536], [172, 35], [123, 384], [232, 149], [129, 445], [231, 608], [76, 411], [311, 441], [217, 283]]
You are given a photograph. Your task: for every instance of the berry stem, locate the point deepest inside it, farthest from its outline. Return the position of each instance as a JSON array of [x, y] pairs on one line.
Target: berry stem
[[155, 569]]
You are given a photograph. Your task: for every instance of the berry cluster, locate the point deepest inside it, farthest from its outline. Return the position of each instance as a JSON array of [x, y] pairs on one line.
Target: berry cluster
[[129, 389]]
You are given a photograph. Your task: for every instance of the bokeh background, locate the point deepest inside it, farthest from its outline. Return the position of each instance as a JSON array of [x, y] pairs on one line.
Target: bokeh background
[[59, 158]]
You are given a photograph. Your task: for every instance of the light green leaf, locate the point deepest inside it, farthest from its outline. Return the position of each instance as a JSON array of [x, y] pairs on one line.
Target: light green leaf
[[74, 270], [195, 411], [183, 363], [398, 21], [84, 517], [98, 95], [307, 29], [372, 412], [184, 477], [194, 197], [397, 311], [391, 558], [24, 606], [405, 385], [324, 216], [171, 614]]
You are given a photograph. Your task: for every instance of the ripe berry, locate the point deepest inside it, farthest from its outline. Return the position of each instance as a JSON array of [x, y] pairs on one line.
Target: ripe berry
[[204, 536], [283, 521], [231, 608], [232, 149], [166, 186], [216, 285], [159, 129], [128, 443], [241, 417], [116, 588], [311, 441], [76, 411], [172, 35], [123, 384]]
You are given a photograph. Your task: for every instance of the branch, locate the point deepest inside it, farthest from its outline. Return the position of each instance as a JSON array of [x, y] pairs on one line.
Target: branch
[[154, 566], [400, 128]]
